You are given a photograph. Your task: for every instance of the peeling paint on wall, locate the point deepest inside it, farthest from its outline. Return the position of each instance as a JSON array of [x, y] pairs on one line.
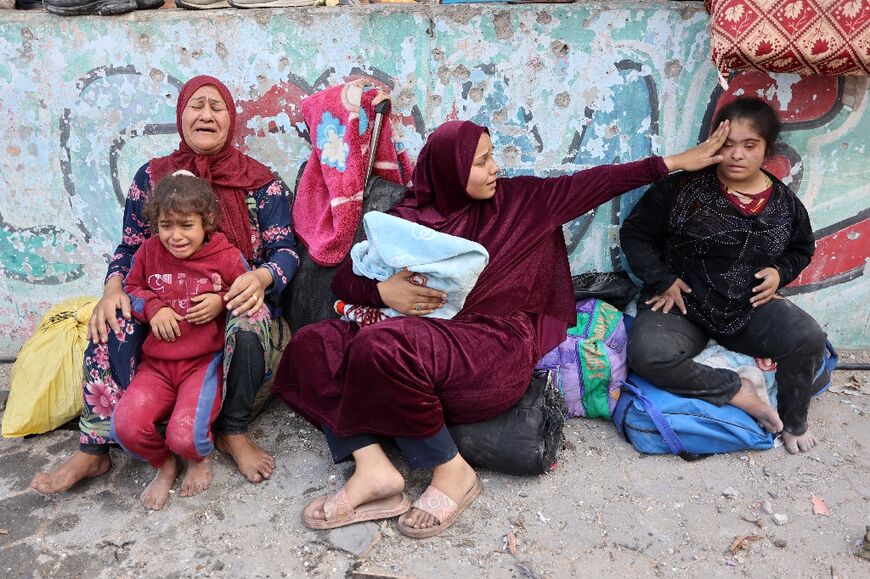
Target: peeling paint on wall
[[87, 101]]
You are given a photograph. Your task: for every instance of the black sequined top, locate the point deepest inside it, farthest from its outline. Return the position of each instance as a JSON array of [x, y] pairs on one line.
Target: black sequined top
[[685, 227]]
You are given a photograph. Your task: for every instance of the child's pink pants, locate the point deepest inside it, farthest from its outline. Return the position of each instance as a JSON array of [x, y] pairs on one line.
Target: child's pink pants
[[187, 392]]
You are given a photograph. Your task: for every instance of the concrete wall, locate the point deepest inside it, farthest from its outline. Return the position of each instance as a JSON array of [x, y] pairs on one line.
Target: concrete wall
[[85, 101]]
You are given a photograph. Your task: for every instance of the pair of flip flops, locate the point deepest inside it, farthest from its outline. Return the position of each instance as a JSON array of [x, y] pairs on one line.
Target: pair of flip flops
[[339, 512]]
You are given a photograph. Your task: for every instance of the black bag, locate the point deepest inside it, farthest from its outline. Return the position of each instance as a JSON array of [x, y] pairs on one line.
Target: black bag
[[309, 298], [613, 287], [524, 440]]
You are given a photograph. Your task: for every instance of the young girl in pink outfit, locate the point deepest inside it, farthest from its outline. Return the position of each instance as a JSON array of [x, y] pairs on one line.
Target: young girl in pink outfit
[[180, 376]]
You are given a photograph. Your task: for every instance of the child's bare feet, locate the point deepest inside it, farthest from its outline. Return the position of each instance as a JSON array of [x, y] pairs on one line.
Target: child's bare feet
[[747, 400], [254, 463], [798, 443], [197, 478], [156, 493], [78, 467]]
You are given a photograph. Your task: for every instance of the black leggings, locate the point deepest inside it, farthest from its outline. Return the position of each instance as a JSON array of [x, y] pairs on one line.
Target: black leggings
[[244, 379], [661, 348], [420, 453]]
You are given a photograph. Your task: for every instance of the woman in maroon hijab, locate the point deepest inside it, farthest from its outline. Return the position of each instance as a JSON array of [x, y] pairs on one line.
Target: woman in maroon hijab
[[255, 217], [406, 377]]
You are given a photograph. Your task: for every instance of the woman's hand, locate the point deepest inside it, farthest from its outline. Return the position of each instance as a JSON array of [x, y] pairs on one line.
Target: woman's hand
[[207, 308], [671, 297], [245, 296], [702, 155], [164, 324], [106, 311], [410, 299], [766, 290]]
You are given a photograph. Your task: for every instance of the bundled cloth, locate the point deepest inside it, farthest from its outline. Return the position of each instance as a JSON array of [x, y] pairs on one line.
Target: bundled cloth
[[438, 260], [806, 37], [362, 315], [45, 384], [761, 372], [591, 364], [328, 203]]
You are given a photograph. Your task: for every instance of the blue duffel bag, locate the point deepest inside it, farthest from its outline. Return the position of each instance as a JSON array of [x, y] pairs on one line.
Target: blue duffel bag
[[657, 422]]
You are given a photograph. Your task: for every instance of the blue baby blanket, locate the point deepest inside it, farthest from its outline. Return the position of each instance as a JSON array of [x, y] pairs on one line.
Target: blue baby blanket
[[449, 263]]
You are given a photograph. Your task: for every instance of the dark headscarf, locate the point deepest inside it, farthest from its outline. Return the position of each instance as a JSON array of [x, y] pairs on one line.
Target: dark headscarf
[[443, 167], [528, 268], [230, 173]]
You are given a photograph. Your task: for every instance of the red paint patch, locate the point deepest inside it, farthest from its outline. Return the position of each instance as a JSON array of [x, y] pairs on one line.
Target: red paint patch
[[285, 98], [779, 165], [838, 253]]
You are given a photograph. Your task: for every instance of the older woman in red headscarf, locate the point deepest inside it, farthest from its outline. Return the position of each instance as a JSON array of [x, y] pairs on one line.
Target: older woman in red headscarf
[[255, 217], [406, 377]]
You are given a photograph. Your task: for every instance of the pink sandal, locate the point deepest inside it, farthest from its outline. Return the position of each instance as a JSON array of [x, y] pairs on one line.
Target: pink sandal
[[443, 508], [343, 514]]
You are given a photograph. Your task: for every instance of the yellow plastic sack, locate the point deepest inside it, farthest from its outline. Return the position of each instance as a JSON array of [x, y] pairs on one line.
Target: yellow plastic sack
[[45, 383]]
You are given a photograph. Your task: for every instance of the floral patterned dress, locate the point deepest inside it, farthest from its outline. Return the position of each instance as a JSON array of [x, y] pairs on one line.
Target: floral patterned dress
[[109, 367]]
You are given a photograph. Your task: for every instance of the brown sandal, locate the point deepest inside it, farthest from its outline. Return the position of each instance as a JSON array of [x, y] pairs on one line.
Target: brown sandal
[[443, 508], [344, 514]]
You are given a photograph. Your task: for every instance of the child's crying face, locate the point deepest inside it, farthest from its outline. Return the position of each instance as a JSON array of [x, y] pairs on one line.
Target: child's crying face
[[181, 234]]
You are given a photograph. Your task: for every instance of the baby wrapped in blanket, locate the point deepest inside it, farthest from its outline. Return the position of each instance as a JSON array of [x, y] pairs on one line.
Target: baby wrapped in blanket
[[438, 260]]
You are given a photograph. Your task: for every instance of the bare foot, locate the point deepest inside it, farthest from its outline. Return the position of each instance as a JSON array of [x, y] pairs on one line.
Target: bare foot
[[756, 378], [747, 400], [197, 478], [254, 463], [156, 493], [798, 443], [454, 478], [78, 467], [374, 478]]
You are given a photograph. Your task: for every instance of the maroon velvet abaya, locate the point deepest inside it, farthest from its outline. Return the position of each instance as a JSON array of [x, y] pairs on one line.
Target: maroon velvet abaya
[[407, 376]]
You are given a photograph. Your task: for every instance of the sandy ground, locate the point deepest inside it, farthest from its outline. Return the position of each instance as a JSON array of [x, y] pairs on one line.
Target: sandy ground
[[604, 511]]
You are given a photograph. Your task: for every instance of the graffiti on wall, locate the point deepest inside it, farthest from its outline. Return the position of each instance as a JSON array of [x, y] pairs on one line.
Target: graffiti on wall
[[278, 110], [552, 107]]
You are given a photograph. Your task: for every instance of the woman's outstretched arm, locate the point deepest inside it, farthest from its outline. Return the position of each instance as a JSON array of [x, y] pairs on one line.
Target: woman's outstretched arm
[[568, 197]]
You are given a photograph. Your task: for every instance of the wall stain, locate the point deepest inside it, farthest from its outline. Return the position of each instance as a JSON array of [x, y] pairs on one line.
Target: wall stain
[[561, 89]]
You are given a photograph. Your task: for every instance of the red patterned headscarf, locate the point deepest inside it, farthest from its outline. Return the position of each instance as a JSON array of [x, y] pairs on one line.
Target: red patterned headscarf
[[230, 173]]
